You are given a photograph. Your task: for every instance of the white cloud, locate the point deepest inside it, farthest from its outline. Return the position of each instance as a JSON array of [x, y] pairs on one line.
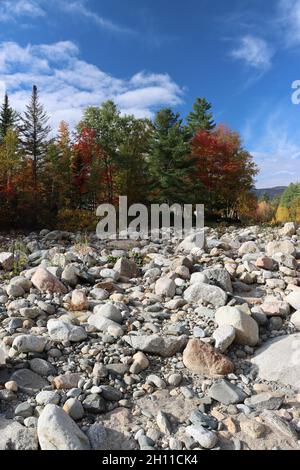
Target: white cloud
[[13, 9], [68, 84], [289, 20], [277, 152], [254, 51], [80, 8]]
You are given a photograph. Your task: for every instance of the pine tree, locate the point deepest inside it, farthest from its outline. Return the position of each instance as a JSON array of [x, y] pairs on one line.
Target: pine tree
[[34, 131], [170, 163], [7, 118], [201, 118]]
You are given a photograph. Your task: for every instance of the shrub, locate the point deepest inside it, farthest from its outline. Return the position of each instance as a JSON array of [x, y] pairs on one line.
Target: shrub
[[73, 220]]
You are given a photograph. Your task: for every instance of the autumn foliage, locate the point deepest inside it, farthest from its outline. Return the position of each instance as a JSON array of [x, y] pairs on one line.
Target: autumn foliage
[[48, 180]]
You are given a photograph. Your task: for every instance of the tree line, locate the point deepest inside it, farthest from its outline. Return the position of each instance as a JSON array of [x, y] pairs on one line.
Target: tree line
[[48, 181]]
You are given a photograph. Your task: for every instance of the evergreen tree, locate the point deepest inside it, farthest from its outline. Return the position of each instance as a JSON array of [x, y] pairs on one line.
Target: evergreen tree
[[7, 118], [201, 118], [170, 163], [34, 132], [265, 197]]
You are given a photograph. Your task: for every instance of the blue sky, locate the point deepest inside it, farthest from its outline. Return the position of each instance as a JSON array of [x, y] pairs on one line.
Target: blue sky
[[241, 55]]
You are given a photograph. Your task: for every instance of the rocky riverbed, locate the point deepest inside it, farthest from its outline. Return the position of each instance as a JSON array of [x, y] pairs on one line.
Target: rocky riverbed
[[152, 344]]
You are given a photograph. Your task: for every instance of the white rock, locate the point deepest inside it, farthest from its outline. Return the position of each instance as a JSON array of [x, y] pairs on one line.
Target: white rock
[[246, 328], [61, 331], [79, 300], [47, 397], [294, 300], [288, 230], [295, 320], [57, 431], [199, 277], [102, 323], [15, 291], [224, 336], [109, 311], [248, 247], [3, 354], [29, 343], [195, 241], [204, 293], [165, 287], [278, 360], [285, 247], [207, 439]]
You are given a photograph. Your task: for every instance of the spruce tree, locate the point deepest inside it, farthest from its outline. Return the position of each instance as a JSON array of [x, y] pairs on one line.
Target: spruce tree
[[201, 118], [7, 118], [171, 165], [34, 133]]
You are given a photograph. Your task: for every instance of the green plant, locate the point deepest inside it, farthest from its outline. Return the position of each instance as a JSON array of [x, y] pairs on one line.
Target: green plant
[[20, 252]]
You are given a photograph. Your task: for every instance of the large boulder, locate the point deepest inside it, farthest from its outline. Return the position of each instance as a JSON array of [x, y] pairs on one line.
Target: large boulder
[[289, 229], [200, 293], [246, 328], [201, 358], [285, 247], [57, 431], [44, 281], [278, 360]]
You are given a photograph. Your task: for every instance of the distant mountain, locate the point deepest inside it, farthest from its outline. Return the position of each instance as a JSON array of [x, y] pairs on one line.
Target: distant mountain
[[272, 192]]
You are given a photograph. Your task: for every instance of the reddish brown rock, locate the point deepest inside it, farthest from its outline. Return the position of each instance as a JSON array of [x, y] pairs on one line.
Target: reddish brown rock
[[264, 262], [201, 358], [44, 281]]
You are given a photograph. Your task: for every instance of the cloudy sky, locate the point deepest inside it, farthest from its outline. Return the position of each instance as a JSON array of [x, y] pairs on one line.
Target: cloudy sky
[[242, 55]]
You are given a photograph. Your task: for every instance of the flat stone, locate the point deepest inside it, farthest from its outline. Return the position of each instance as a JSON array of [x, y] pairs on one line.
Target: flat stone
[[165, 346], [226, 393], [29, 381], [278, 360], [264, 401]]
